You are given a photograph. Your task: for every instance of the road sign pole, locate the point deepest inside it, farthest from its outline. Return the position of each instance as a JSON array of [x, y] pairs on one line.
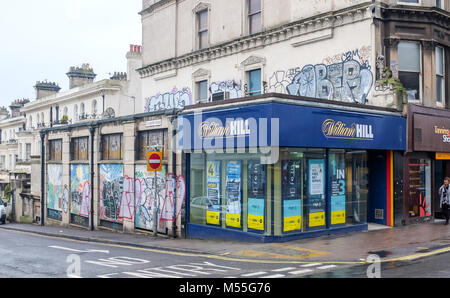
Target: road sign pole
[[155, 207]]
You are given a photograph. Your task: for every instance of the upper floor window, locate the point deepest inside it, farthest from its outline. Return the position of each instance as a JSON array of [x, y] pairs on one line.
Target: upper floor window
[[409, 67], [55, 150], [112, 148], [151, 140], [254, 16], [440, 74], [79, 148], [440, 4], [254, 82], [202, 29], [202, 91]]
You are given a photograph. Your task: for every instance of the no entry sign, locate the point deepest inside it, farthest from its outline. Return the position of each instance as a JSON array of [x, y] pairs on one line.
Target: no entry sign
[[154, 161]]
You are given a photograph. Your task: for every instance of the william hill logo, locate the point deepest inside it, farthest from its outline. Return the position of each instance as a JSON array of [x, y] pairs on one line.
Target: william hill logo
[[232, 129], [340, 130]]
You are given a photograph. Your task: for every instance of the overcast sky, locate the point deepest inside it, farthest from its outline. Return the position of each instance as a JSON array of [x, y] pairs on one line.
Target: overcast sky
[[41, 39]]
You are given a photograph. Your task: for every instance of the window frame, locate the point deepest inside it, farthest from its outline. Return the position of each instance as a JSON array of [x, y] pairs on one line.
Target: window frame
[[75, 148], [53, 155], [141, 153], [105, 144], [441, 76], [200, 31], [248, 73], [420, 72], [250, 15]]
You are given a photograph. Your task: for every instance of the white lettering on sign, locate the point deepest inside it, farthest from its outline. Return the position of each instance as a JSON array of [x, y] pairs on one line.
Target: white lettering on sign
[[446, 139]]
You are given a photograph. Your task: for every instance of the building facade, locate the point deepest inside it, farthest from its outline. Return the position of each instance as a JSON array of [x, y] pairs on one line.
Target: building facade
[[384, 54]]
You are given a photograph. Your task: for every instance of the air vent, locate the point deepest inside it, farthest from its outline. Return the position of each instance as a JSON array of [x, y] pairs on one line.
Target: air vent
[[379, 213], [220, 96]]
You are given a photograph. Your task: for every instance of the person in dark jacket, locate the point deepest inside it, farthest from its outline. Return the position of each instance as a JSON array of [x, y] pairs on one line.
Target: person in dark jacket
[[444, 193]]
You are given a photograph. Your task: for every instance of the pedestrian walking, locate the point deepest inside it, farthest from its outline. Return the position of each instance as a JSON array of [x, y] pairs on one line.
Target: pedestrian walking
[[444, 193]]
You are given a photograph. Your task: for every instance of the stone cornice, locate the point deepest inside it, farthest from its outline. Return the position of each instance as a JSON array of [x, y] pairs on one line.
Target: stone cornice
[[416, 14], [282, 33]]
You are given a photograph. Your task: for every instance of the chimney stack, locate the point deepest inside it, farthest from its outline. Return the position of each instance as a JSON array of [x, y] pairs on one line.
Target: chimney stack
[[44, 89], [16, 105], [79, 76]]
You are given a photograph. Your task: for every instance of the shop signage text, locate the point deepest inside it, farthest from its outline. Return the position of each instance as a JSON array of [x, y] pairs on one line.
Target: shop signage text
[[232, 129], [340, 130], [444, 132]]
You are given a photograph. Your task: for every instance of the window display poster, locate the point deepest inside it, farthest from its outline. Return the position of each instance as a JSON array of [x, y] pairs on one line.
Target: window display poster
[[337, 190], [256, 179], [292, 213], [233, 194], [256, 208], [291, 178], [316, 198], [213, 193]]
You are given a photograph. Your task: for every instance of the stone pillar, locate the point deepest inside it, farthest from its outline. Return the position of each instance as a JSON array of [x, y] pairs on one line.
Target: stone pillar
[[129, 136], [65, 178], [428, 74]]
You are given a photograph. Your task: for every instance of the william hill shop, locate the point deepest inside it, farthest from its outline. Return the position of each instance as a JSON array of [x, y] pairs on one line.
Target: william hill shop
[[426, 163], [276, 169]]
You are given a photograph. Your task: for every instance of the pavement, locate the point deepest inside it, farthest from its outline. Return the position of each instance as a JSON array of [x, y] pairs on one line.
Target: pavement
[[390, 244]]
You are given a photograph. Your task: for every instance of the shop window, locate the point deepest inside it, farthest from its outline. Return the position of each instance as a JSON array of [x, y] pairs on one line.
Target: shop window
[[229, 193], [151, 140], [410, 68], [79, 148], [55, 150], [112, 147], [419, 187], [440, 74]]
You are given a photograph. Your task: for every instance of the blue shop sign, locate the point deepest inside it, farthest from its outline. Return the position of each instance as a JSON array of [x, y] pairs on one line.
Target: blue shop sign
[[285, 125]]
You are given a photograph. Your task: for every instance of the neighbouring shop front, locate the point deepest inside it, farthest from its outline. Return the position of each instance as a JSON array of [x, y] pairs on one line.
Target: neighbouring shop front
[[276, 171], [427, 162]]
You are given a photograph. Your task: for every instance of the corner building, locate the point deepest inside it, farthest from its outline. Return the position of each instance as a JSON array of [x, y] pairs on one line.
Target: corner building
[[339, 76]]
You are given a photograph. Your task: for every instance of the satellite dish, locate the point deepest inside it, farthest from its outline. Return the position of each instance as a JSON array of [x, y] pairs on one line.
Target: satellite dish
[[109, 113]]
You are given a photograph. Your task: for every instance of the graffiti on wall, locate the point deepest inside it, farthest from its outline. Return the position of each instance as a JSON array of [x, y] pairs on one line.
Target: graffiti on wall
[[54, 187], [230, 86], [80, 189], [65, 199], [170, 197], [175, 185], [145, 196], [345, 77], [126, 201], [111, 184], [176, 99]]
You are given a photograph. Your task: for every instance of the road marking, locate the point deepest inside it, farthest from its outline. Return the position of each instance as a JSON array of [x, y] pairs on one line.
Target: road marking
[[107, 275], [253, 274], [311, 265], [274, 276], [114, 262], [326, 267], [80, 251], [283, 269], [300, 271], [168, 252]]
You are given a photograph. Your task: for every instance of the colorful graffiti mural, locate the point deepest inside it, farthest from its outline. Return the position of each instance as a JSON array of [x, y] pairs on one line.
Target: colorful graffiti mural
[[111, 186], [348, 80], [54, 187], [80, 189], [176, 99]]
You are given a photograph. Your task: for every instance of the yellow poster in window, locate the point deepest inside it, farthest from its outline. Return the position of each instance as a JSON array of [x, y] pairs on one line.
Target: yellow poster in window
[[338, 217], [256, 222], [233, 220], [213, 218], [317, 219], [293, 223]]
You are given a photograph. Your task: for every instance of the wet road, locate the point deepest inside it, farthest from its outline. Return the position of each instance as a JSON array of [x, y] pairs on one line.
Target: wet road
[[25, 255], [28, 255]]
